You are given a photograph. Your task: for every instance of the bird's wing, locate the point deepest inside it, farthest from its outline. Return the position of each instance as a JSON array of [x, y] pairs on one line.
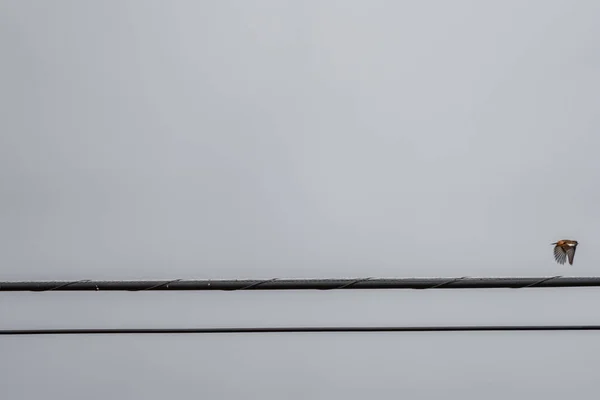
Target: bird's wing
[[559, 254], [571, 253]]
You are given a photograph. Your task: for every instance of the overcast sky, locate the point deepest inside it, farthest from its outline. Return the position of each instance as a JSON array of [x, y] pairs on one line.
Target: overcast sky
[[298, 139]]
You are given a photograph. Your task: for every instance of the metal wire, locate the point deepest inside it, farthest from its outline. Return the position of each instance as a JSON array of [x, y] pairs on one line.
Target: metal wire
[[305, 284], [317, 329], [349, 284], [153, 287]]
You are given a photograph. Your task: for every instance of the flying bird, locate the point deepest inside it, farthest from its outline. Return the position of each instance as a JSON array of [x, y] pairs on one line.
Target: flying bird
[[564, 249]]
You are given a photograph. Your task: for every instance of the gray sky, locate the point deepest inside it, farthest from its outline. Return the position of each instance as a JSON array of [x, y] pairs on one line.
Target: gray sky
[[262, 139]]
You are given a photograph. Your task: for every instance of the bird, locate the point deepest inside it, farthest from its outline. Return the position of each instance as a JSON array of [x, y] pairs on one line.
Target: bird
[[563, 249]]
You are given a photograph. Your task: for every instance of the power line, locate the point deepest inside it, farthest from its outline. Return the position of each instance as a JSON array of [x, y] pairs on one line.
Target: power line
[[304, 284], [318, 329]]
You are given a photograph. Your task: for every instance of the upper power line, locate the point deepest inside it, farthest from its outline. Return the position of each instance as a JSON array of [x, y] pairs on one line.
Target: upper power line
[[304, 284], [299, 329]]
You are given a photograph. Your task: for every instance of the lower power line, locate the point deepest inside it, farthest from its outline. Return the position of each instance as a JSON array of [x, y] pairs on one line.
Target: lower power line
[[313, 329]]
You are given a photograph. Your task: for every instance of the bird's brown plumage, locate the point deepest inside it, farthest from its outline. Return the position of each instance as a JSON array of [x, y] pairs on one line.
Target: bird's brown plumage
[[564, 249]]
